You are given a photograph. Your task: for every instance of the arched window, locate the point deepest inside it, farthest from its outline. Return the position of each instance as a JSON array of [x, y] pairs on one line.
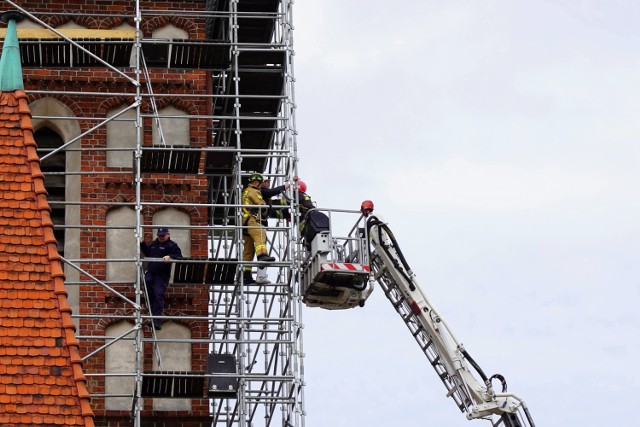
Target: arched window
[[169, 32], [70, 25], [60, 124], [121, 138], [53, 167], [121, 244], [174, 356], [120, 358], [27, 23], [175, 129]]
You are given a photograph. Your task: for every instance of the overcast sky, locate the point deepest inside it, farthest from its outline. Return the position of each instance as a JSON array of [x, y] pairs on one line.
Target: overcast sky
[[500, 141]]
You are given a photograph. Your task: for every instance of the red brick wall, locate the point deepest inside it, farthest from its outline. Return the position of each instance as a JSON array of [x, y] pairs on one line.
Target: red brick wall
[[114, 188]]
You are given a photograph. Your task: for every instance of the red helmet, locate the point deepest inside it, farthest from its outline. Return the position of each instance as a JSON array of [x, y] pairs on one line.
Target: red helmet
[[302, 186], [366, 207]]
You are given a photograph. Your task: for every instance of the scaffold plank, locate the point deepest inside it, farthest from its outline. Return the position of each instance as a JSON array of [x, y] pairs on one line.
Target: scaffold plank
[[173, 384], [60, 53], [186, 272], [221, 272], [201, 54], [261, 58], [172, 159], [170, 54]]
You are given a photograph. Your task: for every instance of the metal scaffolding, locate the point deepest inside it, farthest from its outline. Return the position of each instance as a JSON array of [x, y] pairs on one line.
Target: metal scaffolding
[[233, 78]]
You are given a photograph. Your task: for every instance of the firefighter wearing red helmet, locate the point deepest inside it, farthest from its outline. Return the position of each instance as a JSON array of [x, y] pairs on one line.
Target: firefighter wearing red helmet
[[304, 199], [366, 208]]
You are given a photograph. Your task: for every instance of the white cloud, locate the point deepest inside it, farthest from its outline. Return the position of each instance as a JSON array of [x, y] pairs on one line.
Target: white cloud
[[465, 184]]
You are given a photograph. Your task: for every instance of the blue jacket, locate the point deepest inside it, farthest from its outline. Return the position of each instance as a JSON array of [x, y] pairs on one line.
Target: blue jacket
[[159, 250], [267, 194]]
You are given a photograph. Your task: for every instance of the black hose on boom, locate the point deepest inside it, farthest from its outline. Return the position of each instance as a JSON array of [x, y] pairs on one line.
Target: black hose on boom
[[476, 366], [502, 381], [393, 240], [486, 380], [373, 220]]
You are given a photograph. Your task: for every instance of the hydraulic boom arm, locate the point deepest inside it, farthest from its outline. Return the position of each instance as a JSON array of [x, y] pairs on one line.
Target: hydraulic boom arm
[[445, 353]]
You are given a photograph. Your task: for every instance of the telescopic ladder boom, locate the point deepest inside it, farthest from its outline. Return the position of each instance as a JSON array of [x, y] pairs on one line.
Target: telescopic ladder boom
[[445, 353]]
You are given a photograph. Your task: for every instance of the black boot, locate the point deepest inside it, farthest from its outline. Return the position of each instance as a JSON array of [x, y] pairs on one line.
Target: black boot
[[247, 278], [266, 258]]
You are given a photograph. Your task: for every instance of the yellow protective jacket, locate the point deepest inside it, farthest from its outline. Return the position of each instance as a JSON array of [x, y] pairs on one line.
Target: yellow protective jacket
[[253, 196]]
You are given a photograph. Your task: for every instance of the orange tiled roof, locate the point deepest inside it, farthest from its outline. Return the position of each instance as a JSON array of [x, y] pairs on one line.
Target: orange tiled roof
[[41, 378]]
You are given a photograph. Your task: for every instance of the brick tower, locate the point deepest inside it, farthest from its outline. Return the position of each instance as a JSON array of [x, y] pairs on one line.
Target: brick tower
[[150, 115]]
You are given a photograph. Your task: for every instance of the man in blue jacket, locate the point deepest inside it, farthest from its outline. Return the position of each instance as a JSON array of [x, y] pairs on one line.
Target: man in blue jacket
[[157, 274]]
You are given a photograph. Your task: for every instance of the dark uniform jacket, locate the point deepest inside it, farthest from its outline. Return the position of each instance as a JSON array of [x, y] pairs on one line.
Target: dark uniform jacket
[[159, 250], [306, 204], [267, 194]]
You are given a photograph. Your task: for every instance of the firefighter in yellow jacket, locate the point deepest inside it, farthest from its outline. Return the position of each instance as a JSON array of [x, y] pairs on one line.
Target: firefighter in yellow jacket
[[255, 237]]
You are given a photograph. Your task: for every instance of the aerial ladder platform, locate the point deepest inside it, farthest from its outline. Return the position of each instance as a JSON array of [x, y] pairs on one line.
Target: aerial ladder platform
[[374, 250]]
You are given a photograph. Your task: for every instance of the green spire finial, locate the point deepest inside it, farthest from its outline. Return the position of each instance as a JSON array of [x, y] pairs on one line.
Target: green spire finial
[[10, 66]]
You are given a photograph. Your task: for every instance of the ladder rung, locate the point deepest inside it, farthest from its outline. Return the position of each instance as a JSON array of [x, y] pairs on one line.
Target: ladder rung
[[406, 317], [436, 361], [398, 303]]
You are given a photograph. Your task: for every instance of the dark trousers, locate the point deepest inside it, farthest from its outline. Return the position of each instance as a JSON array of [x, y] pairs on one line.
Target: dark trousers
[[156, 288]]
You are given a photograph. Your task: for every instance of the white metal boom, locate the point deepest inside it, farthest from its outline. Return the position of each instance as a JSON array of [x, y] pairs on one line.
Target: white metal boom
[[445, 353]]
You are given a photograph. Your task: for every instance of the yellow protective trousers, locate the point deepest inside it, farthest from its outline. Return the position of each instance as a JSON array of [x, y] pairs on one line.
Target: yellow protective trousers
[[255, 241]]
